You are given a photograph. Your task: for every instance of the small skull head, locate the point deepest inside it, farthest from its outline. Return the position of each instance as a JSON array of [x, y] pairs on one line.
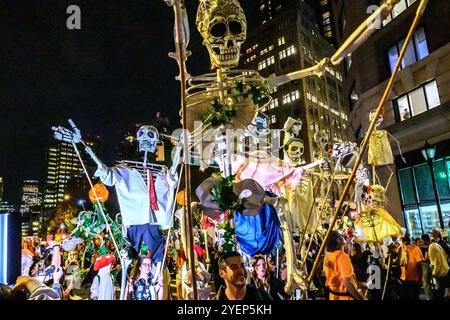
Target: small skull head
[[321, 139], [378, 195], [295, 149], [223, 26], [148, 138], [380, 118], [293, 126]]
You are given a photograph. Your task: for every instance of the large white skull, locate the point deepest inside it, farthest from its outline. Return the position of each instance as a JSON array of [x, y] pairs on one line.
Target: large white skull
[[223, 26], [148, 138], [295, 150], [321, 139]]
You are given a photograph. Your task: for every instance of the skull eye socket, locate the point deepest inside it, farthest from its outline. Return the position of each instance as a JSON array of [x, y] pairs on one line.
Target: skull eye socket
[[140, 133], [218, 30], [151, 134], [235, 27]]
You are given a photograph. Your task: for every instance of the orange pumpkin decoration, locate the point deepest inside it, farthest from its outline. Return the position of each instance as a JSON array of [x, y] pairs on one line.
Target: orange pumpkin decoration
[[101, 191], [181, 198]]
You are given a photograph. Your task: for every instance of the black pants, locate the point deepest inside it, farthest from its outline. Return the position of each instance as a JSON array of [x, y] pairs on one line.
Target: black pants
[[411, 290], [442, 282], [151, 235]]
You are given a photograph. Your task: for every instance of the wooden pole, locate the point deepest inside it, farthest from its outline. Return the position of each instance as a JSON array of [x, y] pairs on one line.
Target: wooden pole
[[365, 142], [181, 56]]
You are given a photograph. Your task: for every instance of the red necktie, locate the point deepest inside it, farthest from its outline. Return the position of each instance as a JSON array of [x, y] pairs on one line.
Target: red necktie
[[153, 200]]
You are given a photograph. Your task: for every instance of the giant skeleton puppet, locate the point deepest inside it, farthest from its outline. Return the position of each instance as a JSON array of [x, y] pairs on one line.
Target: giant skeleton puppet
[[145, 192], [230, 99]]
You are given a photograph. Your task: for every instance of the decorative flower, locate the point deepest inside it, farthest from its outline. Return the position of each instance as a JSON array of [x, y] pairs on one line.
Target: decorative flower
[[101, 191], [181, 198]]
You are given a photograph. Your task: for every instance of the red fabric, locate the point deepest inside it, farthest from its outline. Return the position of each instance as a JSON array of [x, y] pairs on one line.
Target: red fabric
[[199, 250], [103, 261], [153, 200]]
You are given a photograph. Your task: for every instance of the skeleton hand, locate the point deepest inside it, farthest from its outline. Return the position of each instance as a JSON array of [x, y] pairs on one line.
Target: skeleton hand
[[66, 135], [318, 70]]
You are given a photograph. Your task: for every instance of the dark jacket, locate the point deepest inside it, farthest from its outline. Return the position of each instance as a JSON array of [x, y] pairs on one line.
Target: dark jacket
[[252, 293]]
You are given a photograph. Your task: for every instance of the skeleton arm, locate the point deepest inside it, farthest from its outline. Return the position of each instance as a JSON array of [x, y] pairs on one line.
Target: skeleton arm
[[398, 146], [354, 41], [64, 134], [318, 69], [181, 34], [364, 31], [314, 164], [177, 159]]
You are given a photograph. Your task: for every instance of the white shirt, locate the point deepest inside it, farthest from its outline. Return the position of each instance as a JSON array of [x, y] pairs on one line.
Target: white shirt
[[133, 194]]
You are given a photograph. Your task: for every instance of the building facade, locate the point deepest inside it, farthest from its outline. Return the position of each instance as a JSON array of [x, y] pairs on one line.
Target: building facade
[[30, 208], [288, 42], [417, 109], [1, 189], [62, 164], [323, 10]]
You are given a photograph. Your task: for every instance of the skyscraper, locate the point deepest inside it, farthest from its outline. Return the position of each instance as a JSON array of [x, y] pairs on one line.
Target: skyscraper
[[30, 195], [30, 208], [62, 164], [1, 189], [322, 9], [288, 42]]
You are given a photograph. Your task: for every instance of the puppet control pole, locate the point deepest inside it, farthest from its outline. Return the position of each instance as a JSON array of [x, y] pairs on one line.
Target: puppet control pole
[[180, 56], [108, 228], [419, 13]]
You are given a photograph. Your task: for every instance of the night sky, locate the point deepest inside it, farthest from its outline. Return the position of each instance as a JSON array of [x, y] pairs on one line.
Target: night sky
[[109, 75]]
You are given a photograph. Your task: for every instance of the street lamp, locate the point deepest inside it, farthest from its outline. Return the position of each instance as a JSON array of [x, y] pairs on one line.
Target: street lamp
[[428, 152], [81, 203]]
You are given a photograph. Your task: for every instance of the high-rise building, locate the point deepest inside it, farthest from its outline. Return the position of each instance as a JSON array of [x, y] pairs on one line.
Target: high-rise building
[[30, 195], [1, 189], [62, 164], [322, 10], [325, 19], [6, 207], [30, 208], [417, 110], [288, 42]]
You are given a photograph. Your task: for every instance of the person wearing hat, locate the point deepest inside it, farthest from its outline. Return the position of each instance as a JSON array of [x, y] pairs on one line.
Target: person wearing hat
[[36, 290], [102, 287]]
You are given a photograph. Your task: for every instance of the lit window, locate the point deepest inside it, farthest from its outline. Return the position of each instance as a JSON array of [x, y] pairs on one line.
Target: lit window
[[308, 95], [290, 51], [417, 101], [281, 41], [273, 119], [286, 98], [398, 9], [295, 95], [416, 50], [273, 104], [282, 54], [420, 42]]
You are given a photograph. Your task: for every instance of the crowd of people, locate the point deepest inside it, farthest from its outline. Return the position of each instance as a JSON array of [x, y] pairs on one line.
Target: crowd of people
[[398, 269]]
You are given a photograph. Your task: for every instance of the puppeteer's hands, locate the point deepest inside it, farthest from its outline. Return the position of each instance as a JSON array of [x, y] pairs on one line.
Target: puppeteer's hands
[[129, 286], [57, 275]]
